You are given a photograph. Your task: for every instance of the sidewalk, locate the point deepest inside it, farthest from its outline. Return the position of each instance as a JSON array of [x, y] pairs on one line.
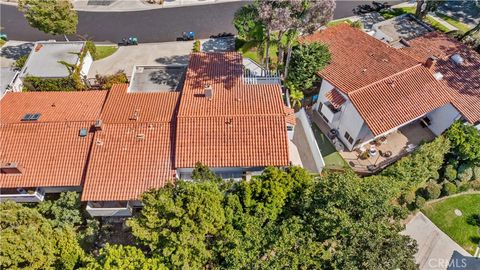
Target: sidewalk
[[137, 5]]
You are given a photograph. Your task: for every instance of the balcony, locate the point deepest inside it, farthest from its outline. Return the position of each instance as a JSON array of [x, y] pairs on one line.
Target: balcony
[[109, 209], [22, 195]]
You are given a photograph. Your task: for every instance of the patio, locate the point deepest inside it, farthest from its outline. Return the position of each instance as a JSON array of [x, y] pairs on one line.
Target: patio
[[388, 149]]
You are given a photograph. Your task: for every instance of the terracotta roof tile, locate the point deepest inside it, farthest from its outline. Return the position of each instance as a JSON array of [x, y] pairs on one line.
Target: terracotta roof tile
[[129, 159], [463, 81], [232, 141], [399, 99], [357, 58], [335, 98], [51, 154], [53, 106], [123, 107], [290, 116]]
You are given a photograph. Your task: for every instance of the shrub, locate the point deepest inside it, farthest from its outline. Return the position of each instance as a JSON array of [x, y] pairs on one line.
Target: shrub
[[49, 84], [462, 186], [107, 81], [449, 189], [450, 172], [407, 198], [90, 46], [465, 141], [419, 202], [357, 24], [20, 62], [196, 46], [476, 172], [465, 172], [432, 191], [475, 184]]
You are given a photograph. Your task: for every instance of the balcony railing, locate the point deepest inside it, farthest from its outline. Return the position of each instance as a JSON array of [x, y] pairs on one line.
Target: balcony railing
[[109, 209], [22, 196]]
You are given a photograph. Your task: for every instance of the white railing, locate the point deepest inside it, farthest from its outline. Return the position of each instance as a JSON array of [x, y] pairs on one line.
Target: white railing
[[125, 211], [255, 74], [37, 196]]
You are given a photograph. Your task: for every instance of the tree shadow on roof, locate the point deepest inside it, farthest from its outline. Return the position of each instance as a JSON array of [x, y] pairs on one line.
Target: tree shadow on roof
[[15, 52]]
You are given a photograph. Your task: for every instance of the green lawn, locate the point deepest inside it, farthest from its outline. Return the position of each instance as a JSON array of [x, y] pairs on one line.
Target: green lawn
[[462, 229], [435, 24], [390, 13], [332, 158], [461, 26], [337, 22], [104, 51]]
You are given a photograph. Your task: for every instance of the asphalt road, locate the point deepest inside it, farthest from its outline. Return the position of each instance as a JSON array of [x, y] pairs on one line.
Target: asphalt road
[[156, 25]]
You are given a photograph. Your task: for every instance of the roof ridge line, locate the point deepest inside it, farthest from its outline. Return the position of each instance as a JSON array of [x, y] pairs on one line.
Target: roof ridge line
[[231, 115], [388, 77]]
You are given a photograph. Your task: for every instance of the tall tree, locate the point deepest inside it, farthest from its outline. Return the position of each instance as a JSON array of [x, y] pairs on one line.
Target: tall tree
[[471, 31], [28, 240], [113, 257], [426, 6], [54, 17]]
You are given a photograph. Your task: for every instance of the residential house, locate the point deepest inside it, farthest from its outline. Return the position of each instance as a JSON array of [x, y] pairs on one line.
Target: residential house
[[115, 146], [370, 89], [54, 59]]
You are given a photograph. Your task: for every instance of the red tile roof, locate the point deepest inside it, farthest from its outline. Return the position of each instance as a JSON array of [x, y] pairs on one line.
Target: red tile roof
[[246, 141], [51, 154], [256, 135], [127, 160], [290, 116], [463, 81], [399, 99], [335, 98], [357, 58], [53, 106], [123, 107]]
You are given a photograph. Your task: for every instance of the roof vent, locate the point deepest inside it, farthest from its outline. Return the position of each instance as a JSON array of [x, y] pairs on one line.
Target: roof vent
[[208, 92], [431, 62], [229, 121], [438, 76], [140, 136], [83, 132], [98, 125], [135, 115], [11, 168], [457, 59], [38, 47], [404, 42]]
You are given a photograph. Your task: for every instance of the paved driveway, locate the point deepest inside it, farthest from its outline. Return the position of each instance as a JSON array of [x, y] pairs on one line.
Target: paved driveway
[[437, 251], [143, 54]]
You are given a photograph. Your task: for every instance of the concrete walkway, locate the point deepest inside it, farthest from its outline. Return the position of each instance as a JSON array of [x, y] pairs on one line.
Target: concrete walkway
[[437, 251], [443, 22]]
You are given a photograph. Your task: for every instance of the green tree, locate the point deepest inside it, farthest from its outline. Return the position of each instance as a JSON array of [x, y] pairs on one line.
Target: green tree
[[54, 17], [114, 257], [29, 240], [307, 60], [180, 222], [64, 210], [296, 95], [202, 172], [465, 140]]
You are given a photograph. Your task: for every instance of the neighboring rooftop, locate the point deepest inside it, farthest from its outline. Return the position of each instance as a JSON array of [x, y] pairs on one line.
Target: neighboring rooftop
[[157, 78], [6, 76], [461, 77], [47, 57], [358, 59]]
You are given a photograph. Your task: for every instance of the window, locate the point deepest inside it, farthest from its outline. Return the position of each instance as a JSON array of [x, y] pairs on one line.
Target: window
[[348, 137], [289, 128], [31, 117]]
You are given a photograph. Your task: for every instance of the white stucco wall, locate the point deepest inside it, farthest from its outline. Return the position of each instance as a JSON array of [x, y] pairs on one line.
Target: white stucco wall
[[442, 118], [324, 88], [312, 143], [87, 63]]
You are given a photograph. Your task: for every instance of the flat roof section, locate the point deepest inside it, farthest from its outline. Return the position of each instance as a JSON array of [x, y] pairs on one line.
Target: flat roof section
[[157, 78], [46, 57]]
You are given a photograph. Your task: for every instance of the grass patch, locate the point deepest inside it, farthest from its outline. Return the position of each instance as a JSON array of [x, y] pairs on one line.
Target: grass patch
[[394, 12], [104, 51], [463, 229], [333, 159], [250, 50], [458, 24], [337, 22], [435, 24]]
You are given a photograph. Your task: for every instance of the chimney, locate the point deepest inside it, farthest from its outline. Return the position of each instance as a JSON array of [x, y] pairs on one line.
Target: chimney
[[98, 125], [11, 168], [431, 63], [38, 47], [135, 115], [208, 92]]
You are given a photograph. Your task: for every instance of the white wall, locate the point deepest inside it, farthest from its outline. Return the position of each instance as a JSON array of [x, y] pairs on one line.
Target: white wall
[[324, 88], [350, 121], [87, 63], [442, 118], [312, 143]]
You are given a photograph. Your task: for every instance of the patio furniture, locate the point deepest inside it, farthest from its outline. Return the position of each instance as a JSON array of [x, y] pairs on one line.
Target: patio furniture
[[372, 151], [385, 154]]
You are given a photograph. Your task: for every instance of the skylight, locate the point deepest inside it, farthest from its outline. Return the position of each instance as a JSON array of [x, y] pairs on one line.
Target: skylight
[[31, 117]]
